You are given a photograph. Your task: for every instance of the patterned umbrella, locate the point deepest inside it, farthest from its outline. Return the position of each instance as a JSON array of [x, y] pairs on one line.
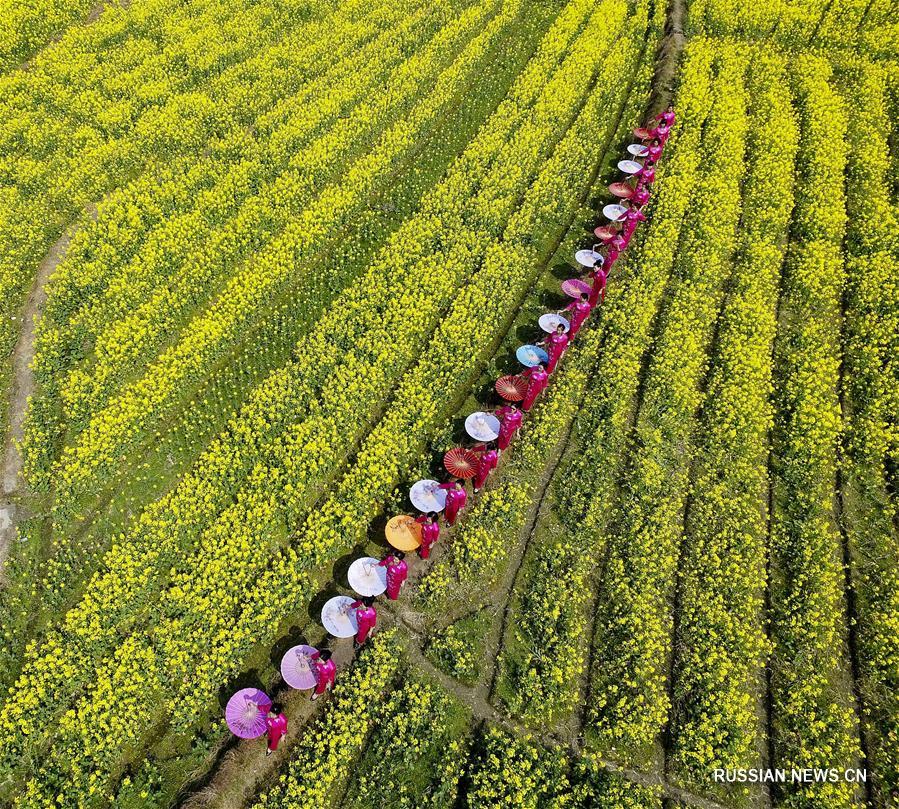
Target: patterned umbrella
[[245, 713], [366, 577], [622, 190], [511, 388], [297, 669], [530, 355], [573, 287], [403, 533], [461, 463], [638, 150], [604, 233], [643, 133]]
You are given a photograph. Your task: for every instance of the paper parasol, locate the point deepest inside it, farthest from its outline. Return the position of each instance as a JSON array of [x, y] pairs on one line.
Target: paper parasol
[[614, 212], [643, 133], [638, 150], [425, 496], [573, 287], [511, 388], [297, 667], [461, 463], [605, 233], [629, 166], [551, 320], [366, 577], [339, 618], [622, 190], [245, 713], [529, 355], [482, 426], [403, 533], [587, 258]]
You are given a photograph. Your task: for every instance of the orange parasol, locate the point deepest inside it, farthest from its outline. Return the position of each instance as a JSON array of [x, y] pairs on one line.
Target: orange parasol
[[403, 533]]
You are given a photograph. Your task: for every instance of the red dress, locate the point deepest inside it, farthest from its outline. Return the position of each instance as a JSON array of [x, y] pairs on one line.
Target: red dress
[[537, 380], [598, 290], [555, 346], [397, 573], [325, 674], [486, 464], [509, 421], [366, 618], [276, 728], [580, 310], [430, 531], [455, 501]]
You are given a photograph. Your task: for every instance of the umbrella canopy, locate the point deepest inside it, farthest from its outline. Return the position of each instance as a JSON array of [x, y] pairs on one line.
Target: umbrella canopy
[[573, 287], [403, 533], [511, 388], [587, 258], [482, 426], [622, 190], [604, 233], [643, 133], [339, 618], [425, 496], [638, 150], [461, 463], [550, 321], [629, 166], [366, 577], [529, 355], [297, 667], [246, 711], [614, 212]]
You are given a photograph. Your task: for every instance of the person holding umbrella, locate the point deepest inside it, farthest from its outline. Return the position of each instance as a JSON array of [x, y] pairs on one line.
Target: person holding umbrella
[[486, 464], [598, 290], [641, 195], [580, 310], [430, 533], [647, 175], [537, 379], [325, 672], [397, 573], [655, 151], [275, 728], [366, 618], [556, 343], [667, 117], [510, 418], [455, 500]]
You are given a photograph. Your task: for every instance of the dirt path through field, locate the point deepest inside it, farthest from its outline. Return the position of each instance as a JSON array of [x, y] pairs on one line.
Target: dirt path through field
[[20, 389]]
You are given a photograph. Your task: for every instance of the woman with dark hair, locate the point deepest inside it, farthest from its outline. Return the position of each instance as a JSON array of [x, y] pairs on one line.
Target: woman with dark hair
[[555, 345], [366, 618], [455, 500], [486, 464], [397, 573], [536, 378], [275, 727], [510, 418], [325, 672], [430, 533]]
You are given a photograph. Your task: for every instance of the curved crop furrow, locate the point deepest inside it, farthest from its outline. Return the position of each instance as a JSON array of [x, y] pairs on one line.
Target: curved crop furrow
[[470, 169]]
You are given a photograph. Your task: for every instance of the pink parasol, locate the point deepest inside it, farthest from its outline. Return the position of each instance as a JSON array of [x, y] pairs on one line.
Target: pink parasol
[[643, 133], [246, 711], [622, 190], [297, 667], [573, 287], [512, 387], [461, 463], [605, 233]]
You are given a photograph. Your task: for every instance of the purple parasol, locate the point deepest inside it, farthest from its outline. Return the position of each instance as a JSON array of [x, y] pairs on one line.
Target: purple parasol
[[297, 668], [245, 713], [573, 287]]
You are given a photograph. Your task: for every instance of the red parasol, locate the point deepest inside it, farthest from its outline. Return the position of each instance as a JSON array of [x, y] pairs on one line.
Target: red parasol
[[461, 463], [622, 190], [643, 133], [605, 233], [512, 388], [574, 287]]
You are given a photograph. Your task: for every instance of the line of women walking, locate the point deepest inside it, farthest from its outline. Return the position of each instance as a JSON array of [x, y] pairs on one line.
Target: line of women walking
[[490, 433]]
